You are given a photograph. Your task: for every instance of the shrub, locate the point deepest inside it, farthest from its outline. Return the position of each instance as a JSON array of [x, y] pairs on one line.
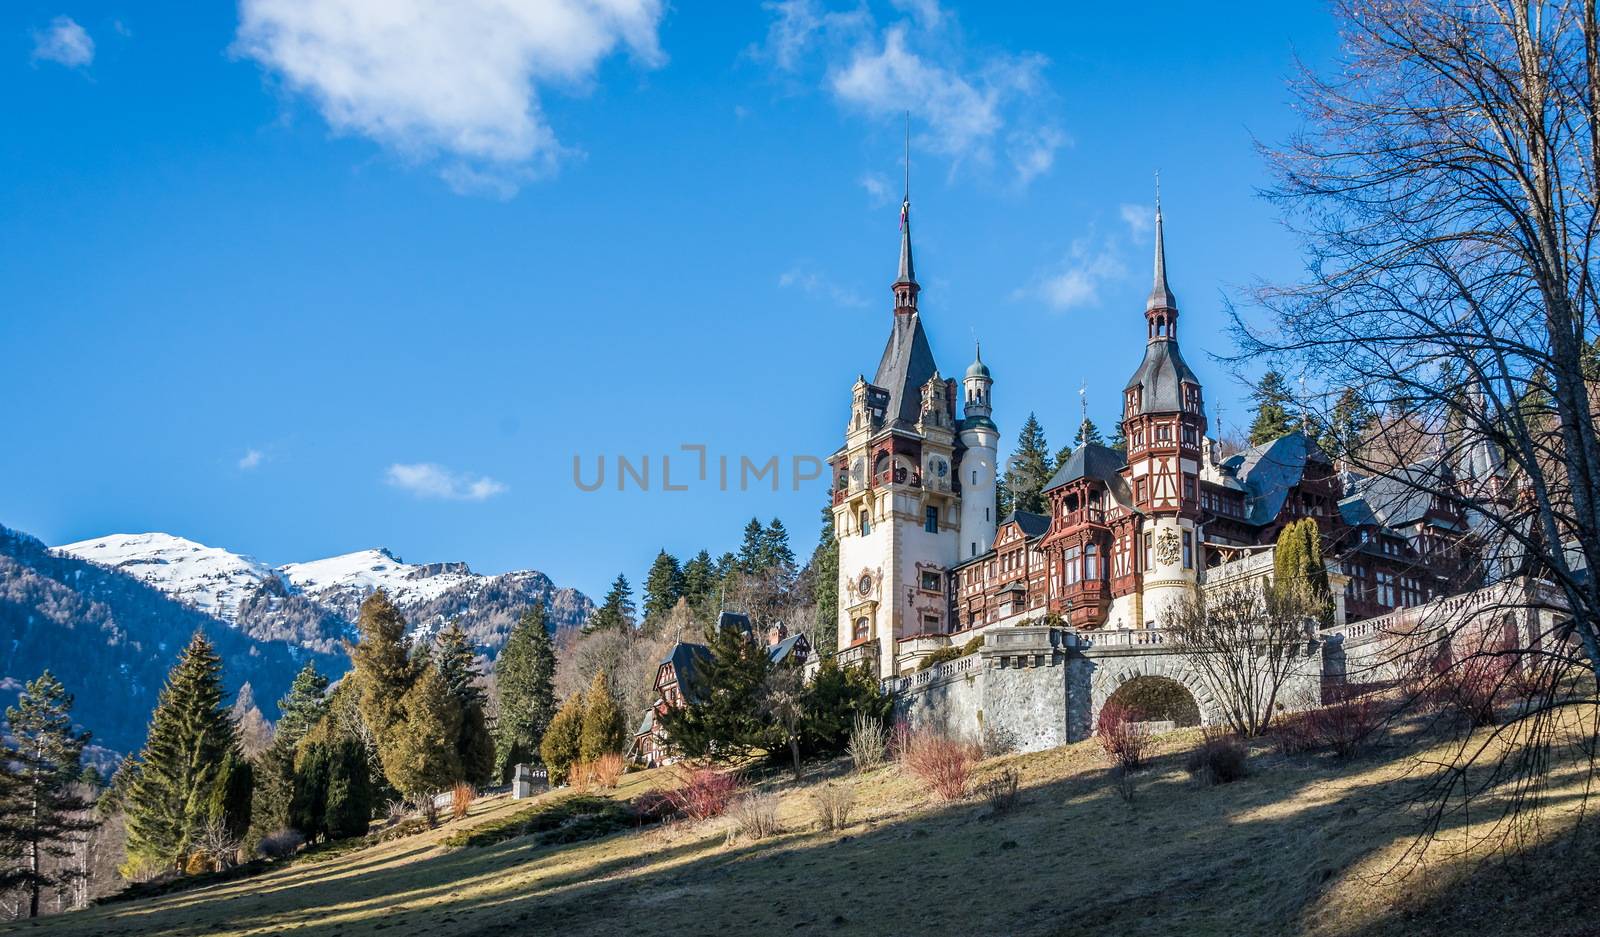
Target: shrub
[[1470, 687], [869, 742], [1221, 758], [702, 793], [940, 656], [394, 811], [580, 776], [755, 816], [833, 803], [1294, 733], [461, 798], [280, 843], [428, 809], [836, 699], [1001, 790], [607, 770], [1121, 738], [1344, 727], [944, 764]]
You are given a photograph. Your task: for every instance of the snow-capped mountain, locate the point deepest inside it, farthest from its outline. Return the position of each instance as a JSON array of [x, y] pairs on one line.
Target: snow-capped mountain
[[210, 579], [315, 603]]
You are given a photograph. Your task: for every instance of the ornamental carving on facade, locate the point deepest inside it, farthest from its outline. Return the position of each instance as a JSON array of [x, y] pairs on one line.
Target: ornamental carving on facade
[[1167, 549]]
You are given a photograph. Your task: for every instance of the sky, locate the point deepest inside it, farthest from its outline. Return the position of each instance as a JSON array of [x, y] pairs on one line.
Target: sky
[[299, 278]]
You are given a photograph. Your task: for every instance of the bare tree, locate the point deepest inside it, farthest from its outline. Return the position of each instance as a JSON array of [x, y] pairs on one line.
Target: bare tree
[[1445, 189], [218, 844], [783, 700], [1244, 641]]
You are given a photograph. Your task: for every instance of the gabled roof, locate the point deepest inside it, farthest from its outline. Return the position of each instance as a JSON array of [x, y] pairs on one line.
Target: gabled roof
[[1270, 471], [1397, 498], [1161, 374], [1092, 460], [906, 366], [778, 653], [685, 658], [1033, 525], [647, 723], [737, 620]]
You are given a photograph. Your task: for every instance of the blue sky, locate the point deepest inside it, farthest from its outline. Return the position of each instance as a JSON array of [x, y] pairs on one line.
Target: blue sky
[[299, 279]]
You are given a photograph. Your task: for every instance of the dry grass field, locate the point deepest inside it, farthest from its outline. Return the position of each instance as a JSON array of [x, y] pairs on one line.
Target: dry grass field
[[1303, 846]]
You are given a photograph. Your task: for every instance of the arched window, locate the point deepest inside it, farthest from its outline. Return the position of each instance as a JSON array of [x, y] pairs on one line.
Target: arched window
[[860, 632]]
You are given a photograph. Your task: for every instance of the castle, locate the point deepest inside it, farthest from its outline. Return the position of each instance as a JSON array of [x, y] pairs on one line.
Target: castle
[[925, 563]]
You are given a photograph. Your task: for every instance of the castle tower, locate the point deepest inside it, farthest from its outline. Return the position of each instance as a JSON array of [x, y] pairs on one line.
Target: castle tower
[[1164, 423], [895, 505], [981, 439]]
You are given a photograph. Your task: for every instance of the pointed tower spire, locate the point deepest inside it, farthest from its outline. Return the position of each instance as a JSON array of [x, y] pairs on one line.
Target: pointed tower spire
[[1160, 294], [905, 284]]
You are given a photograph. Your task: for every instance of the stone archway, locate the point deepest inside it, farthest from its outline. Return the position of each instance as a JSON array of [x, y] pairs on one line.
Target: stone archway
[[1158, 699], [1113, 673]]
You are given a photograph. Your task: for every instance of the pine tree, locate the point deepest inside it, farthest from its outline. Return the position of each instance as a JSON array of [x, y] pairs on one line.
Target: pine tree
[[825, 588], [232, 794], [604, 730], [1088, 434], [424, 756], [303, 705], [384, 668], [308, 810], [1119, 438], [775, 553], [752, 548], [457, 661], [616, 612], [525, 686], [560, 745], [45, 759], [188, 745], [1273, 401], [348, 805], [724, 721], [700, 582], [1347, 425], [663, 587], [1028, 470]]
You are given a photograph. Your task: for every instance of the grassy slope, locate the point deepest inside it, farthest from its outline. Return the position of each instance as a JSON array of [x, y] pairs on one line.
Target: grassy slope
[[1293, 849]]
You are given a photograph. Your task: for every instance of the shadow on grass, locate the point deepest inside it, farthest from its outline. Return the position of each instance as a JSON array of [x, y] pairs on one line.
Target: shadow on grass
[[1252, 857]]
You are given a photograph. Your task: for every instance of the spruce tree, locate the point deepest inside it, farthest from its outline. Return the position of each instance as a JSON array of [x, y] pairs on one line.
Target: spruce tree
[[1028, 470], [383, 667], [231, 796], [303, 705], [190, 739], [308, 810], [1088, 434], [663, 587], [1119, 438], [1273, 402], [775, 555], [825, 588], [724, 720], [700, 582], [752, 549], [42, 807], [604, 730], [424, 756], [560, 745], [616, 612], [525, 686], [1347, 424], [348, 806]]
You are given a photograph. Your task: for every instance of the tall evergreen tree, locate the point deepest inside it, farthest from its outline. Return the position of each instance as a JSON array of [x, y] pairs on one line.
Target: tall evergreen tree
[[776, 556], [604, 730], [1088, 433], [700, 582], [752, 549], [1119, 438], [184, 754], [1028, 470], [663, 587], [1348, 424], [383, 666], [308, 809], [1273, 402], [42, 805], [349, 801], [825, 588], [424, 757], [304, 704], [616, 612], [457, 661], [525, 675]]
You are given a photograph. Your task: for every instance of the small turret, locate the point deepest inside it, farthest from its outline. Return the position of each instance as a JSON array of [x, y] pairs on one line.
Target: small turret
[[977, 406]]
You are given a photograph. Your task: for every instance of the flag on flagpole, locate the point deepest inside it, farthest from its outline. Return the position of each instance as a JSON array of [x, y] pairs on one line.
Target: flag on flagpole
[[905, 212]]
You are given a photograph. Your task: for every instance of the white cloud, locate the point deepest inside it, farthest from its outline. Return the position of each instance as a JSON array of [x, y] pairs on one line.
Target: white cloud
[[1077, 280], [427, 480], [65, 43], [815, 284], [455, 83], [251, 459], [967, 107], [877, 187], [1140, 219]]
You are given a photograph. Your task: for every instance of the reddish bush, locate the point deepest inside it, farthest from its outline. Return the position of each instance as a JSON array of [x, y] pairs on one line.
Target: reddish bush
[[944, 764], [702, 793], [607, 770], [1295, 733], [1344, 727], [1121, 737], [1470, 687], [461, 798]]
